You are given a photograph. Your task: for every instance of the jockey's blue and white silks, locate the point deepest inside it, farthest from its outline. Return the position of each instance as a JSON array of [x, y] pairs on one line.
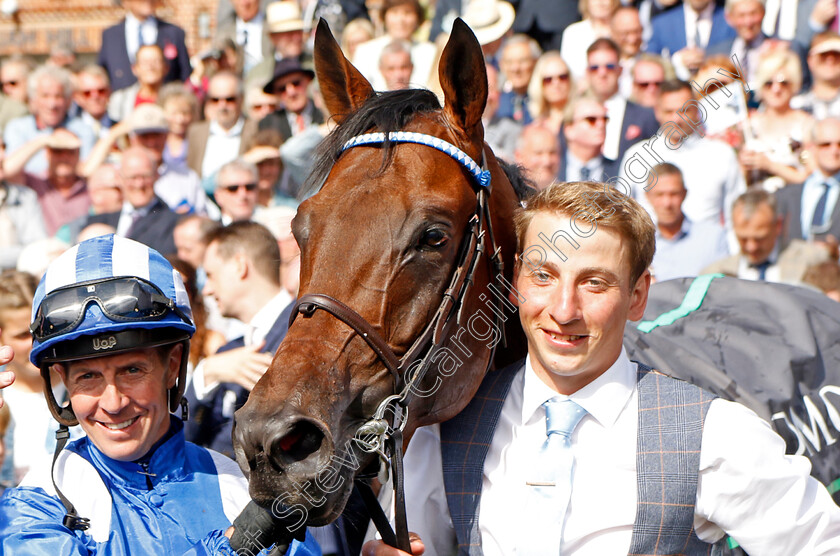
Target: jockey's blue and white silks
[[103, 258], [195, 496]]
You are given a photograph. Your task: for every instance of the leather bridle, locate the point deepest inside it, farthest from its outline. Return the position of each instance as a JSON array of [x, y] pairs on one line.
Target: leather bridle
[[377, 434]]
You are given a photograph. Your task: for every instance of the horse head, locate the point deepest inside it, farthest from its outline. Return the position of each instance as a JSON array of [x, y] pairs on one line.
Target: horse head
[[399, 250]]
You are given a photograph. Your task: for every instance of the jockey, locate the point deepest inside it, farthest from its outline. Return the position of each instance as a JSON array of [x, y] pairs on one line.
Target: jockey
[[111, 319]]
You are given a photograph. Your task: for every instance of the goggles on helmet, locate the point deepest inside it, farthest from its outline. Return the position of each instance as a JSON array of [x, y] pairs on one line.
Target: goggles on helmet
[[125, 299]]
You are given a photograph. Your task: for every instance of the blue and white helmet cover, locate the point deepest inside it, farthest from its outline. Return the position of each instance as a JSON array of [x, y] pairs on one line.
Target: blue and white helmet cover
[[106, 257]]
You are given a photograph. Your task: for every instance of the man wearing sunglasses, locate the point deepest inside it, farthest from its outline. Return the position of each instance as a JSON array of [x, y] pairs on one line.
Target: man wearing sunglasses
[[236, 191], [112, 318]]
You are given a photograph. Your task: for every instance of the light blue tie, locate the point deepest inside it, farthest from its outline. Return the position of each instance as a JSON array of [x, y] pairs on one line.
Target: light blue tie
[[550, 481]]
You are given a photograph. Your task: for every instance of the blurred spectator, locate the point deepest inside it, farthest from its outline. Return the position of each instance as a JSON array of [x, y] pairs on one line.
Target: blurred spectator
[[278, 220], [758, 227], [285, 28], [549, 90], [258, 104], [395, 65], [62, 55], [626, 30], [748, 45], [21, 221], [50, 93], [648, 76], [95, 230], [141, 27], [537, 151], [14, 77], [205, 341], [265, 154], [545, 21], [243, 275], [519, 56], [180, 109], [105, 194], [501, 134], [683, 247], [402, 18], [824, 276], [147, 127], [225, 133], [683, 33], [144, 217], [297, 111], [9, 110], [223, 55], [37, 256], [584, 129], [149, 68], [812, 17], [822, 99], [62, 193], [711, 187], [355, 33], [32, 425], [491, 21], [247, 29], [578, 36], [777, 132], [810, 209], [93, 92], [236, 191], [190, 236], [629, 122]]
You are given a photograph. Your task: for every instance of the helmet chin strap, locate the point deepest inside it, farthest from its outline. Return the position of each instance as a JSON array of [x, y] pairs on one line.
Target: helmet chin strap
[[66, 419]]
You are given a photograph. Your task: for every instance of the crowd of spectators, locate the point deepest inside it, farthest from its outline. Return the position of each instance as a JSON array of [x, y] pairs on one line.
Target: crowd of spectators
[[722, 120]]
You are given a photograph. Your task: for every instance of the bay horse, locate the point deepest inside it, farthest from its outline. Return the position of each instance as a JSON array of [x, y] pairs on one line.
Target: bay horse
[[407, 253]]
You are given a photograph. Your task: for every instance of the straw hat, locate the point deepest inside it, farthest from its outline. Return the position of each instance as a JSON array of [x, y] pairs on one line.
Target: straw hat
[[489, 19], [284, 16]]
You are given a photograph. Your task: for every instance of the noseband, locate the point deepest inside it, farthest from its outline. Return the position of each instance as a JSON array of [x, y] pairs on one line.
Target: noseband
[[408, 371]]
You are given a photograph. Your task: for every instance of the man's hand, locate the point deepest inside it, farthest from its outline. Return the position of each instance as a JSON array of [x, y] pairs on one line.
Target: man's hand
[[379, 548], [824, 12], [691, 57], [243, 366], [7, 377]]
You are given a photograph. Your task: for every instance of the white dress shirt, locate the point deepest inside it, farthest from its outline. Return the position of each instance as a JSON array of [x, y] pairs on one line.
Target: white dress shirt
[[148, 27], [747, 486], [710, 171], [615, 105], [127, 216], [698, 24], [249, 34], [222, 147]]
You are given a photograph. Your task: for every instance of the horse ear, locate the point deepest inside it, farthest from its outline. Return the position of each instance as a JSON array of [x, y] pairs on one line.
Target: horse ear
[[344, 89], [463, 78]]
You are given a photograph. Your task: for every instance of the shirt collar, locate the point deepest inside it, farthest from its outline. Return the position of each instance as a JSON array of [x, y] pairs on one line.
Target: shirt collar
[[604, 398], [236, 130], [267, 316]]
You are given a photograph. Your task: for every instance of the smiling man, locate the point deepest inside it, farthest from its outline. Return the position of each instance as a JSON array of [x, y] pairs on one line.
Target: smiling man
[[579, 451], [112, 318]]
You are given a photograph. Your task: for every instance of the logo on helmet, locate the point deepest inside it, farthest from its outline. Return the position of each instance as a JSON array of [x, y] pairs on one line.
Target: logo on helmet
[[106, 342]]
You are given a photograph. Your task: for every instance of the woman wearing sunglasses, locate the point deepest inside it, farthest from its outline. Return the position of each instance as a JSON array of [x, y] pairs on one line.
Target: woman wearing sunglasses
[[549, 90], [112, 319]]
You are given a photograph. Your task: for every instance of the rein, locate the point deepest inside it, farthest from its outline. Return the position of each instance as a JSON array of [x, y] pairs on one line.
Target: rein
[[378, 434]]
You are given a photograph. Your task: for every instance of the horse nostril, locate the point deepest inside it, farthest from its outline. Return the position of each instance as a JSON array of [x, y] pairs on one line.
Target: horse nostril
[[303, 439]]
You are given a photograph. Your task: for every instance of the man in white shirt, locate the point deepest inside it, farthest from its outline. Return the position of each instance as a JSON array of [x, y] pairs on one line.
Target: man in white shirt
[[654, 465], [713, 177], [236, 191]]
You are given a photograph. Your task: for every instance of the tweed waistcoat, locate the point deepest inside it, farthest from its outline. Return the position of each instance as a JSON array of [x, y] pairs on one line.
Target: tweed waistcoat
[[671, 415]]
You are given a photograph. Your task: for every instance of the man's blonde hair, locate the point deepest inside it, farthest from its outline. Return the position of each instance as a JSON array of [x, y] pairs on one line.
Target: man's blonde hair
[[603, 204]]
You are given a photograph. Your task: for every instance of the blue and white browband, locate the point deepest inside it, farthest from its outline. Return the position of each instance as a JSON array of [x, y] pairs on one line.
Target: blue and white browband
[[482, 177]]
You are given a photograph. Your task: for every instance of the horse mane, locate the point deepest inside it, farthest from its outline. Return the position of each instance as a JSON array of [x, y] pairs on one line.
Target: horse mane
[[522, 186], [384, 111]]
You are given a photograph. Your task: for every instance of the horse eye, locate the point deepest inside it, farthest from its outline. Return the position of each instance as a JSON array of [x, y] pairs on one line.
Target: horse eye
[[434, 238]]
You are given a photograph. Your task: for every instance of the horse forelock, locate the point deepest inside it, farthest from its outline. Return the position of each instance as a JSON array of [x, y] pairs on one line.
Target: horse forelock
[[385, 112]]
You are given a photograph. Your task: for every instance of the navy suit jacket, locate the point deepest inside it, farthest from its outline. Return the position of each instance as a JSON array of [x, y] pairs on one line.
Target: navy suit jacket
[[552, 17], [669, 31], [113, 56], [207, 425], [610, 167], [789, 202], [639, 123], [155, 229]]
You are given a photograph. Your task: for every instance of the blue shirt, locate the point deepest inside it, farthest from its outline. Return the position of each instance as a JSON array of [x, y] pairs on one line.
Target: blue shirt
[[22, 130], [697, 245]]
